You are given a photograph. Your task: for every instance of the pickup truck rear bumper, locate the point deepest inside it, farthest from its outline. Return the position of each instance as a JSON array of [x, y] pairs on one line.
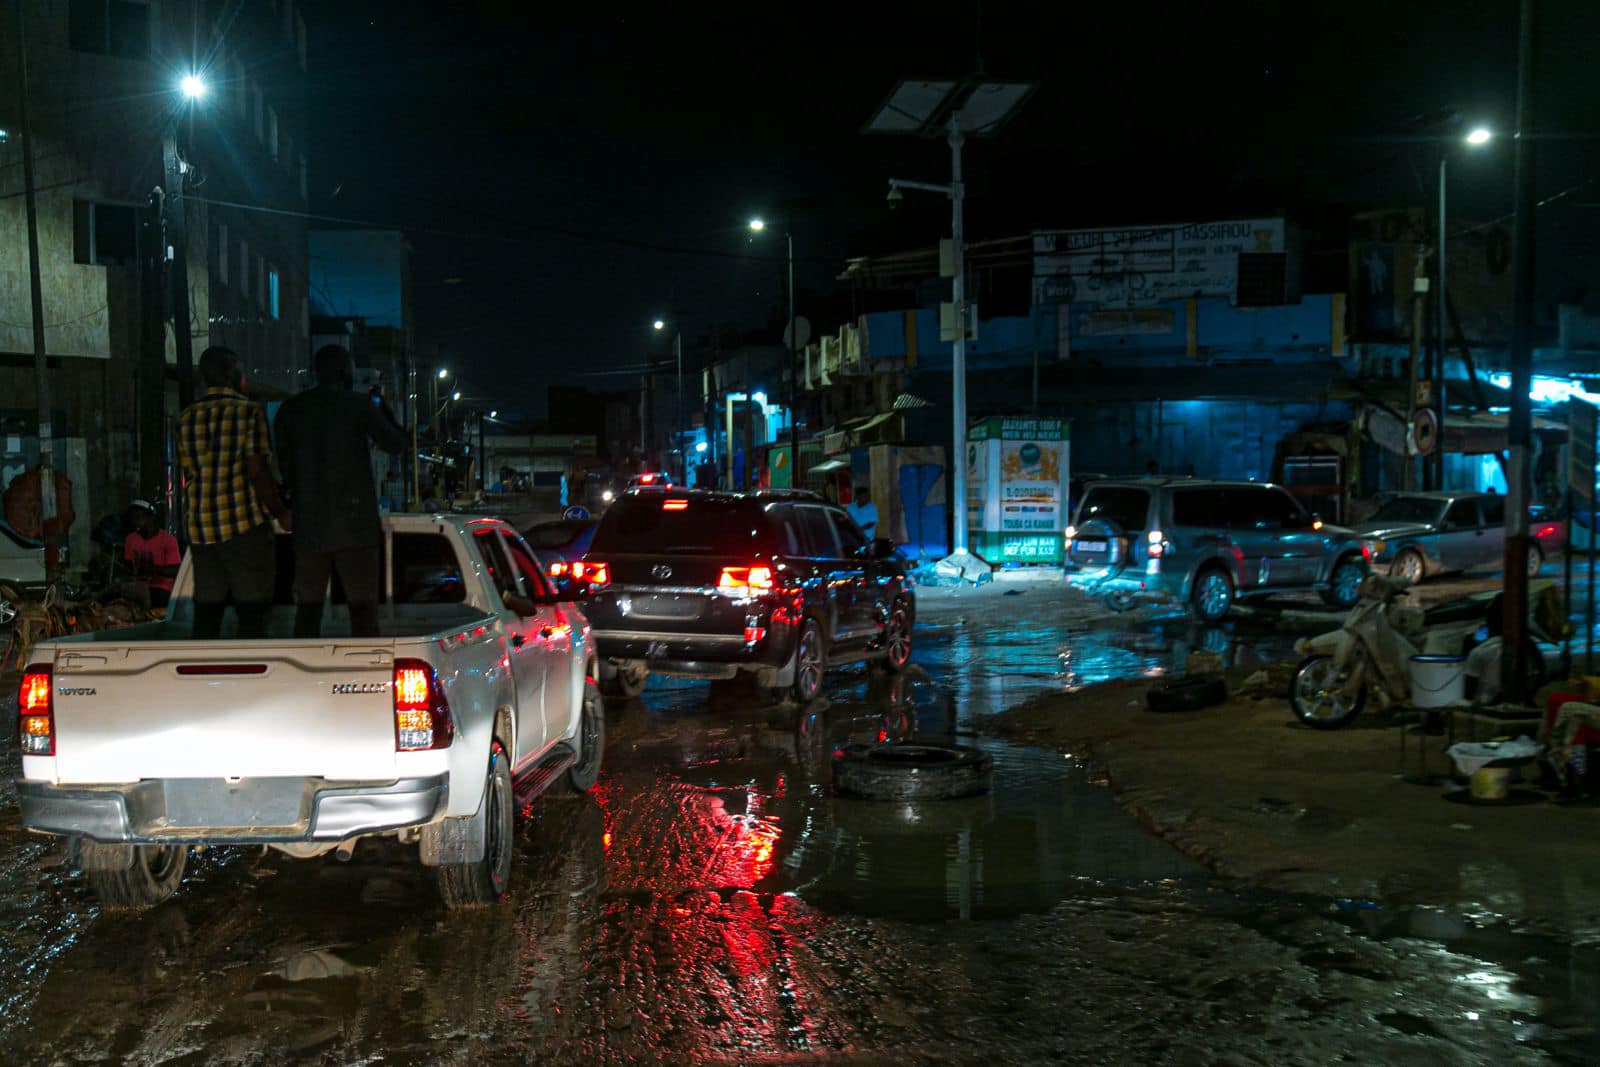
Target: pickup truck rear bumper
[[217, 811]]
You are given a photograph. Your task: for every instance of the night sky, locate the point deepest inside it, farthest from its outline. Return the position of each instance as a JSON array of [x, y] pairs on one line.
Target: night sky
[[569, 175]]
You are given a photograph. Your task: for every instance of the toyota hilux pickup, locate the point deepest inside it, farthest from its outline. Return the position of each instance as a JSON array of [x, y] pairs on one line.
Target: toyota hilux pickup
[[480, 694]]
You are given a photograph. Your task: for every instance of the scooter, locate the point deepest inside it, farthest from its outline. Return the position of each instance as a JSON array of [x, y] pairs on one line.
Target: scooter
[[1371, 653]]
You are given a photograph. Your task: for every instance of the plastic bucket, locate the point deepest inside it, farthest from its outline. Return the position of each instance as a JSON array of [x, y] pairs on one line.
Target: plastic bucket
[[1437, 680], [1489, 783]]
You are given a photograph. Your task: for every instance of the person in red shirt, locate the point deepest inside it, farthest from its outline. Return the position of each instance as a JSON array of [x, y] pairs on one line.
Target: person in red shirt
[[151, 552]]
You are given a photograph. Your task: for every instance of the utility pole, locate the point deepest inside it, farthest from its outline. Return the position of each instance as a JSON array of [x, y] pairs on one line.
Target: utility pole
[[1520, 429], [958, 350], [176, 254], [1440, 331], [41, 377], [794, 372], [1419, 291]]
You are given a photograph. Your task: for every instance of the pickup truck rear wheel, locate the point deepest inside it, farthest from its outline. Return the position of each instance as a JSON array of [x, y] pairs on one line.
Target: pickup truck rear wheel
[[151, 878], [590, 742], [467, 885]]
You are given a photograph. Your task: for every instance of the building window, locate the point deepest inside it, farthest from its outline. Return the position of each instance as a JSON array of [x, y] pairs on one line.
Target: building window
[[222, 252], [272, 292], [272, 133], [110, 27], [106, 235]]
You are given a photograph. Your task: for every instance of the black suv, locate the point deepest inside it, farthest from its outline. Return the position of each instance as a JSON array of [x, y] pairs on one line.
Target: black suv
[[709, 585]]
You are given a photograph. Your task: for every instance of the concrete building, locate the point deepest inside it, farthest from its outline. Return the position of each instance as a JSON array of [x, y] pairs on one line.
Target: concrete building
[[103, 89]]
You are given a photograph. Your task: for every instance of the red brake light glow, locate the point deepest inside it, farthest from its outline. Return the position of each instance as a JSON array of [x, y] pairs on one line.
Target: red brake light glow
[[646, 479], [421, 713], [757, 578], [674, 505], [593, 573], [36, 726], [1546, 531], [557, 569]]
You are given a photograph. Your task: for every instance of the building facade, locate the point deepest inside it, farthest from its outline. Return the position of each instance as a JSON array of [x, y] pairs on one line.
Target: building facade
[[104, 93]]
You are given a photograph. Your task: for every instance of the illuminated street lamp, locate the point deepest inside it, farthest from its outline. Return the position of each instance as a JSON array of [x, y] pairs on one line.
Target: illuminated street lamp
[[677, 415], [1480, 135], [659, 324], [192, 86], [757, 225], [1477, 137]]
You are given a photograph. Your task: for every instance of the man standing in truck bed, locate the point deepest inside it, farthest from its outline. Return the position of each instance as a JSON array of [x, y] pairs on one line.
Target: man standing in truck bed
[[324, 439], [230, 498]]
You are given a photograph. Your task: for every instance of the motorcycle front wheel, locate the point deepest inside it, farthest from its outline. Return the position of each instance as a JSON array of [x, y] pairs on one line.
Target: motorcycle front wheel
[[1315, 694]]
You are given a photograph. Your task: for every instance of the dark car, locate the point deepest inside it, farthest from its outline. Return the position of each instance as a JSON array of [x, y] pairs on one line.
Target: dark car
[[1419, 535], [712, 585], [558, 545]]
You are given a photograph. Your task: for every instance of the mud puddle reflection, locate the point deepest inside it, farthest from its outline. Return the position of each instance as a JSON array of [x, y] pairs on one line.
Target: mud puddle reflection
[[989, 669]]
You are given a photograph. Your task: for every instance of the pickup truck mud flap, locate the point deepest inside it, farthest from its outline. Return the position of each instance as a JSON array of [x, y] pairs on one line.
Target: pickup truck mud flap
[[456, 840]]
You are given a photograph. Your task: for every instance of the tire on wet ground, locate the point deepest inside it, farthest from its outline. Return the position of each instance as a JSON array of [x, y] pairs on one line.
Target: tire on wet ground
[[467, 885], [623, 681], [154, 875], [911, 770], [1189, 693]]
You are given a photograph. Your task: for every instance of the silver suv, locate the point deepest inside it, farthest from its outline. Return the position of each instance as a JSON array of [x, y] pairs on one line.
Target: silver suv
[[1206, 544]]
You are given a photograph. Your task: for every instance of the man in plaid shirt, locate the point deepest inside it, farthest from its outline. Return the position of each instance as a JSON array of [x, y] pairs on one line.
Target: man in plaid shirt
[[230, 497]]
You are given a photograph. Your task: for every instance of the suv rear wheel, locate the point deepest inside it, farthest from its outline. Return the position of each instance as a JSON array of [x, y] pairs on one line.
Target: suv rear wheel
[[1212, 595], [810, 662], [897, 639]]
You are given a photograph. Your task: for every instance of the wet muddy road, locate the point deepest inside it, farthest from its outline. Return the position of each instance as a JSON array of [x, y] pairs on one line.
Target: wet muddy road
[[712, 901]]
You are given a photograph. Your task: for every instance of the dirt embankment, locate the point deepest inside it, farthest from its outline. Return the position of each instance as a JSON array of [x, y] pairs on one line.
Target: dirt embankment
[[1246, 789]]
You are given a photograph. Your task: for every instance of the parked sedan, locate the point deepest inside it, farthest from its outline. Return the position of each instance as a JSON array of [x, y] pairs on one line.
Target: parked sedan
[[1420, 535]]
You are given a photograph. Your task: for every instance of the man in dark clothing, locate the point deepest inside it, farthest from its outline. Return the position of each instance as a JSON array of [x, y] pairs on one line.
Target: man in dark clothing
[[324, 439], [230, 498]]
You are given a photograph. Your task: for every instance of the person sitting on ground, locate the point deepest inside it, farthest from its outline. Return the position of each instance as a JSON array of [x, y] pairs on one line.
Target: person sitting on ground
[[152, 553]]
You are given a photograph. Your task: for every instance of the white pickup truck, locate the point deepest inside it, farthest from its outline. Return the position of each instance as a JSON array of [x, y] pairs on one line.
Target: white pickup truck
[[482, 692]]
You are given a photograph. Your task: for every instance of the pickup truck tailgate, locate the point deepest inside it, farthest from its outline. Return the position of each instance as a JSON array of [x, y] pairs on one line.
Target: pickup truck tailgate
[[256, 711]]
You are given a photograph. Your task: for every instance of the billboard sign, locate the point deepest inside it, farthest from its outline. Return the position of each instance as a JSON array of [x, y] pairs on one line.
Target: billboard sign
[[1140, 266]]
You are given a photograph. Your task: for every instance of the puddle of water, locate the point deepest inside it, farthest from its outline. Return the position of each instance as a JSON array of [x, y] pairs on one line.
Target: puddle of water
[[989, 669], [762, 814]]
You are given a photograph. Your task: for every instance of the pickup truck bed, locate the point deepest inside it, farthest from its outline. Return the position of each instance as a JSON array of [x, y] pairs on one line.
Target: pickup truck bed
[[143, 740]]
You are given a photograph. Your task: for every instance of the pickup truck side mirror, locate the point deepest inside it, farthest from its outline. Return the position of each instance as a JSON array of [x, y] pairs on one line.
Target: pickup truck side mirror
[[521, 605]]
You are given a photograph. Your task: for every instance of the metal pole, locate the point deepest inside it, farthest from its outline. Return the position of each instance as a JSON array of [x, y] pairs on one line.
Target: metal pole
[[416, 465], [1566, 582], [1419, 285], [178, 272], [1439, 320], [1520, 430], [794, 379], [483, 459], [958, 351], [41, 377], [677, 416], [1588, 629]]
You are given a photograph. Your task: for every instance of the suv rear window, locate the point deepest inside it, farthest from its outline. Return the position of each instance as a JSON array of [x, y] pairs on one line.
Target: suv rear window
[[1125, 505], [641, 524]]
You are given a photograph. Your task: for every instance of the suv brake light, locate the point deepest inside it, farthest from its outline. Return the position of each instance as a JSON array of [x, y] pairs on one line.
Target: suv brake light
[[36, 720], [758, 578], [421, 712], [593, 573]]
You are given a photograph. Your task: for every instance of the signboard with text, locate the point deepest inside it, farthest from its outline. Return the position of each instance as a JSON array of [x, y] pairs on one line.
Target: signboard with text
[[1017, 471], [1141, 266]]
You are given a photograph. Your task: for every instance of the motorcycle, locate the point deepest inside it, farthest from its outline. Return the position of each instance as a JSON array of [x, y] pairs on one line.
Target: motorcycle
[[1370, 654]]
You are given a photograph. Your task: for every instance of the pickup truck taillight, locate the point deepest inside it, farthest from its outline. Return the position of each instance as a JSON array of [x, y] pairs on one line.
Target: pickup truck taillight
[[36, 721], [421, 712]]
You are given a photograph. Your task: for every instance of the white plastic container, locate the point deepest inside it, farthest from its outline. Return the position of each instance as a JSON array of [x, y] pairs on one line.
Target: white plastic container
[[1437, 681]]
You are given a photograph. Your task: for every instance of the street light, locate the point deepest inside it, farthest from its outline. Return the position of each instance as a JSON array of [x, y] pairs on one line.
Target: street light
[[455, 396], [444, 372], [757, 225], [677, 415], [192, 86], [956, 108], [1476, 138]]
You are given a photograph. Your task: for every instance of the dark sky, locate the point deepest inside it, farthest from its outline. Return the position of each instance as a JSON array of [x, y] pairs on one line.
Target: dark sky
[[588, 170]]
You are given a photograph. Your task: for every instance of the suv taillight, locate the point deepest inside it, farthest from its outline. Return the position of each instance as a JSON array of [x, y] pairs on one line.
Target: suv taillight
[[591, 573], [756, 578], [421, 712], [36, 720]]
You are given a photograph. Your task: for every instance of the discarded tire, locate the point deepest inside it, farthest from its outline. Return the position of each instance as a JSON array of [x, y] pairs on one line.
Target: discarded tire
[[1189, 693], [911, 770]]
